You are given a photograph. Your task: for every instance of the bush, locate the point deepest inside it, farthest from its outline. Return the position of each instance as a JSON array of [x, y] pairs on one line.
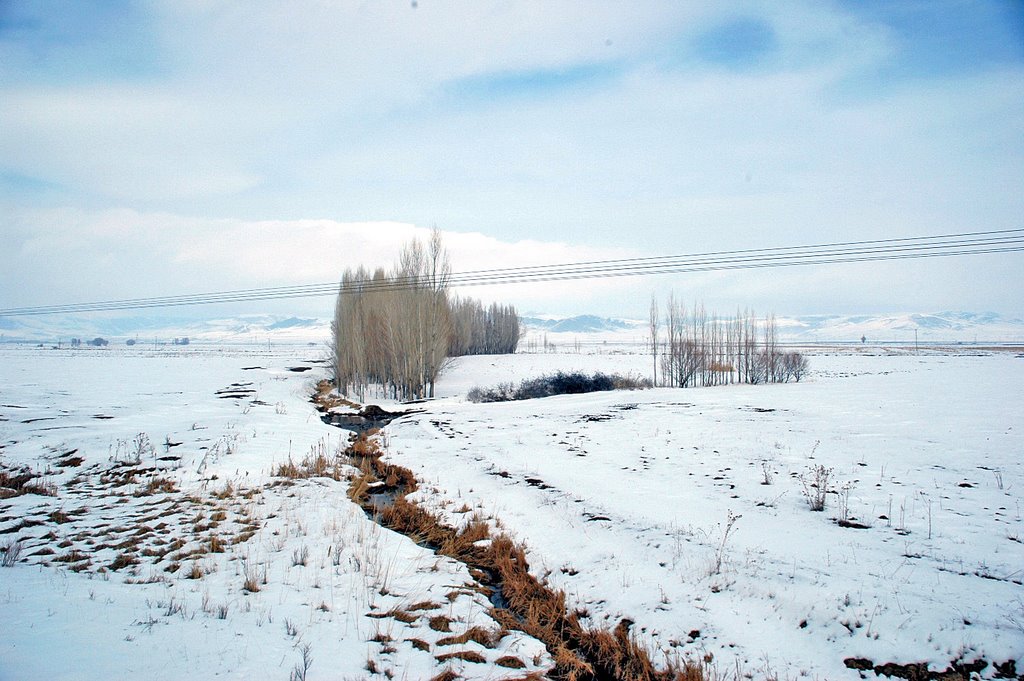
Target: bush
[[561, 383]]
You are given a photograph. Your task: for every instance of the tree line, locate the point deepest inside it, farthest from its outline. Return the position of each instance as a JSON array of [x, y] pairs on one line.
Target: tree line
[[394, 330], [699, 348]]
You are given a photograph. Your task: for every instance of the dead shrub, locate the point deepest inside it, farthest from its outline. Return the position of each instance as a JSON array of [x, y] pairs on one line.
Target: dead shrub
[[12, 552], [815, 486]]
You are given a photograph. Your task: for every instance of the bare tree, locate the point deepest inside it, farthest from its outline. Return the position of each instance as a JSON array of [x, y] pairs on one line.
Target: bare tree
[[704, 349], [654, 321], [395, 331]]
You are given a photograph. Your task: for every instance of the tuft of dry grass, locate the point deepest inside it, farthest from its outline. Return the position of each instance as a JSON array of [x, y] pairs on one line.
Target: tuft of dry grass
[[227, 492], [123, 560], [446, 675], [419, 644], [441, 623], [159, 485], [467, 655], [510, 662], [488, 639], [253, 576], [317, 464]]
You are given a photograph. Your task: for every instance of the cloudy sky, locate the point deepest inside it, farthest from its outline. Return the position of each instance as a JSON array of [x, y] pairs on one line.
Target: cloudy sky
[[160, 148]]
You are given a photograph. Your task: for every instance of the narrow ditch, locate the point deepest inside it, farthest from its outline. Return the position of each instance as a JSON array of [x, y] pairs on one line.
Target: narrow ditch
[[519, 601]]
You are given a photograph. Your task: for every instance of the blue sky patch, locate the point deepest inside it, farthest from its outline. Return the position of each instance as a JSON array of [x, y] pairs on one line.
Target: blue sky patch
[[738, 44], [535, 83]]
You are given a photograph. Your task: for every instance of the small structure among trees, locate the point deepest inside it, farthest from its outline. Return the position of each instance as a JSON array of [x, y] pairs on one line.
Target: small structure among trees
[[397, 329]]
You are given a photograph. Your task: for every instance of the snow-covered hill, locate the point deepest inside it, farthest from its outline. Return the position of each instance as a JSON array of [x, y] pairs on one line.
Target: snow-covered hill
[[118, 330], [940, 327], [962, 327]]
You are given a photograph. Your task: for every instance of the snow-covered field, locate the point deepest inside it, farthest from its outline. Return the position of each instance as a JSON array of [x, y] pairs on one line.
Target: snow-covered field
[[684, 510]]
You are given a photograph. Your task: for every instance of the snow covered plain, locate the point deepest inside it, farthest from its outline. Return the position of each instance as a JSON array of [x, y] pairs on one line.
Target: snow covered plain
[[138, 567], [684, 510]]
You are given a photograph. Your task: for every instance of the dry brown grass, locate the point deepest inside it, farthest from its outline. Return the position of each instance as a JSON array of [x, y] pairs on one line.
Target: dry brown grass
[[316, 464], [123, 560], [325, 399], [488, 639], [395, 613], [159, 485], [227, 492], [419, 644], [15, 483], [446, 675], [467, 655], [441, 623], [510, 662]]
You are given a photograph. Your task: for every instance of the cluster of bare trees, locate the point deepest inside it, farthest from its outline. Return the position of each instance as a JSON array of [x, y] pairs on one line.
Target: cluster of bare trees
[[477, 330], [394, 330], [702, 349]]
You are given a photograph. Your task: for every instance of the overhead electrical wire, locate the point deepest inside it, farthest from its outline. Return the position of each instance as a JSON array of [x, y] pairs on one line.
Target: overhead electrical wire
[[904, 248]]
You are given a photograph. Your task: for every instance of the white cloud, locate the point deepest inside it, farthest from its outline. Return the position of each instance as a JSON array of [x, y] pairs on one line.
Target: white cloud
[[122, 254], [269, 115]]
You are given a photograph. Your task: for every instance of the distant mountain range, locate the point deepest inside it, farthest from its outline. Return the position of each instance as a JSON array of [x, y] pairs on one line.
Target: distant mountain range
[[581, 324], [247, 328], [964, 327], [940, 326]]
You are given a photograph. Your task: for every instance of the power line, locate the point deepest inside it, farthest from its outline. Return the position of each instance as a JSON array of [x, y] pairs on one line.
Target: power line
[[904, 248]]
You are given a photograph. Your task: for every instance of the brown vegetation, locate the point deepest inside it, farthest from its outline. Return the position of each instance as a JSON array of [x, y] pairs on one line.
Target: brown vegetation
[[532, 607]]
